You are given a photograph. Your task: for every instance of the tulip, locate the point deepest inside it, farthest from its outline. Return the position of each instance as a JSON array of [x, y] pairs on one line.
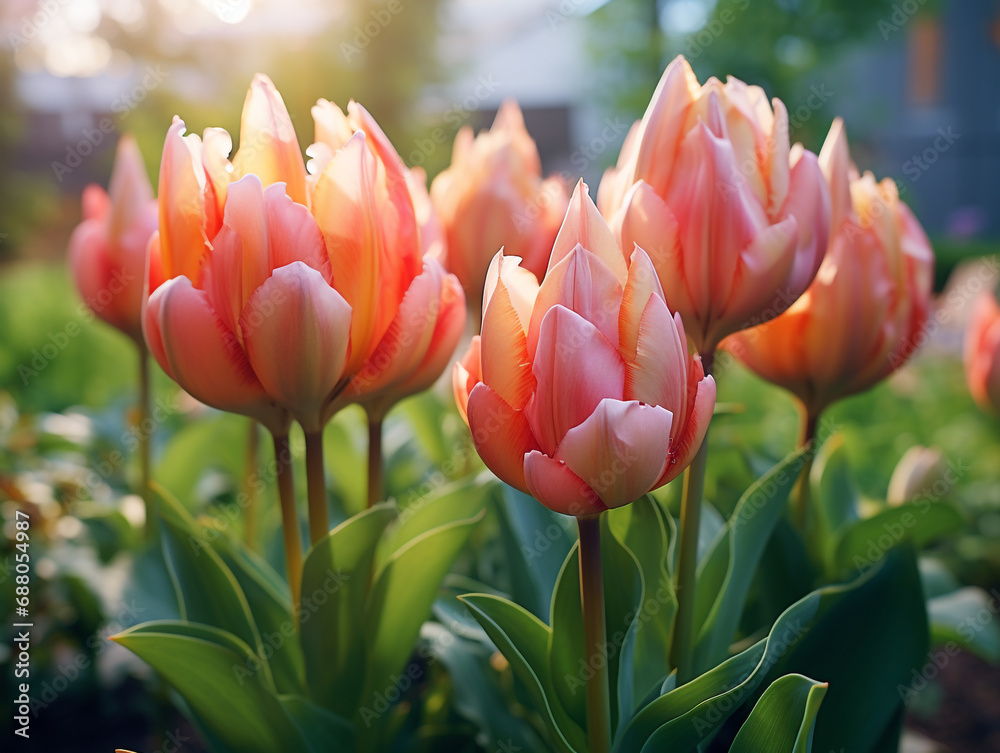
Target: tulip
[[107, 256], [982, 352], [734, 220], [493, 196], [107, 251], [581, 392], [862, 316]]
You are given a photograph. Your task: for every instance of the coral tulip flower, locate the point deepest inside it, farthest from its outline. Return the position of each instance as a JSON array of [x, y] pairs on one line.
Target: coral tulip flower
[[734, 220], [862, 316], [982, 352], [107, 251], [493, 196], [581, 391]]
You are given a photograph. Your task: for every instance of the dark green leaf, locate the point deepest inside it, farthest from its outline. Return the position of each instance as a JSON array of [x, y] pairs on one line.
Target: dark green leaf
[[782, 720]]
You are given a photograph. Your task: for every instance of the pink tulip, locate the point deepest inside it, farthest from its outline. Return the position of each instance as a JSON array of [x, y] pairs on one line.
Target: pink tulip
[[271, 288], [734, 220], [107, 251], [581, 391], [493, 195], [982, 352], [862, 316]]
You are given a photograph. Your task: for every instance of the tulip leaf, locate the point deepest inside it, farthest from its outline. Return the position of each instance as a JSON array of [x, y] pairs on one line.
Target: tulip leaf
[[322, 730], [343, 455], [524, 640], [833, 495], [207, 591], [877, 620], [782, 720], [209, 668], [726, 573], [966, 617], [271, 607], [536, 542], [335, 582], [684, 717], [865, 542], [221, 439], [401, 599]]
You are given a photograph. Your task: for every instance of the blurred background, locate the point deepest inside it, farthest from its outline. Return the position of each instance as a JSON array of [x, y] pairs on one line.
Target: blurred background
[[915, 80]]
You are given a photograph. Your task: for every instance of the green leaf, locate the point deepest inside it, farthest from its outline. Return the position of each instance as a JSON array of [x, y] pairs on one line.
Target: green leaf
[[401, 599], [335, 585], [208, 667], [867, 640], [782, 720], [739, 545], [216, 442], [523, 639], [271, 607], [865, 542], [833, 495], [966, 617], [684, 717], [207, 590], [536, 542], [322, 730]]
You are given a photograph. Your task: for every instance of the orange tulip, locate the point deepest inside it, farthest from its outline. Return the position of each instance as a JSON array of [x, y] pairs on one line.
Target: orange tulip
[[493, 195], [581, 391], [734, 220], [271, 288], [107, 251], [862, 316], [982, 352]]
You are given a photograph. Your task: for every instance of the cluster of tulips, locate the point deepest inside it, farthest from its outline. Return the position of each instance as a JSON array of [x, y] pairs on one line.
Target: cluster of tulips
[[285, 290]]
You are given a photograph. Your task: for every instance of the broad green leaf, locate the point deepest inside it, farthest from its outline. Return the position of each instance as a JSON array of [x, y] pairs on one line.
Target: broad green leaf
[[683, 717], [743, 540], [536, 542], [642, 527], [271, 607], [867, 640], [209, 668], [207, 590], [401, 598], [968, 618], [833, 495], [217, 442], [782, 720], [865, 542], [523, 640], [322, 730], [335, 582]]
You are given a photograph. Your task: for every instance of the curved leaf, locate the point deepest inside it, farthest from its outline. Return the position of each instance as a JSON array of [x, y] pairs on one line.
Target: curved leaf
[[782, 720]]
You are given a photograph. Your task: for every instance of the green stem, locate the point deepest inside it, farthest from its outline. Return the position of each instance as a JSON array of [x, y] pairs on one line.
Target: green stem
[[682, 654], [289, 518], [374, 460], [800, 496], [250, 466], [595, 634], [145, 440], [319, 521]]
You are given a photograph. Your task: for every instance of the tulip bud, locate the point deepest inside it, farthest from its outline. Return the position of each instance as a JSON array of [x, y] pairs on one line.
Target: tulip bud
[[982, 352], [734, 220], [862, 316], [493, 196], [581, 391], [107, 251]]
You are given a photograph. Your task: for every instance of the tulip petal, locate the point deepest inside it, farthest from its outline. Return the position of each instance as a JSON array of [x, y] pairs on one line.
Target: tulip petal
[[130, 191], [448, 331], [701, 406], [575, 368], [553, 484], [466, 374], [184, 241], [296, 330], [269, 147], [584, 225], [620, 450], [658, 373], [521, 285], [505, 362], [501, 435], [642, 284], [203, 356]]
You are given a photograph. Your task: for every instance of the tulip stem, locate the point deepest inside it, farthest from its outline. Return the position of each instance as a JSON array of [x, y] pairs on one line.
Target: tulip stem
[[289, 518], [594, 634], [692, 492], [145, 431], [319, 520], [374, 460], [800, 496], [250, 465]]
